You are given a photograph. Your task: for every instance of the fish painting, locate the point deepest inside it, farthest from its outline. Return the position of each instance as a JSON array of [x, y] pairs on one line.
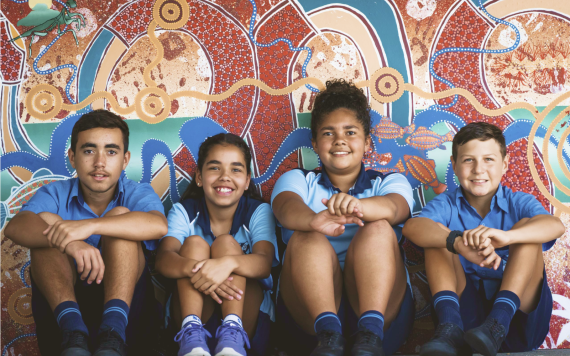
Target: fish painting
[[387, 129], [424, 171], [425, 139]]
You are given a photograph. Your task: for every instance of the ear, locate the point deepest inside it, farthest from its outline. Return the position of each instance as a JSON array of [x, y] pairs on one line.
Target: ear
[[71, 157], [126, 159], [198, 178], [247, 181], [506, 163], [452, 162], [367, 143], [314, 143]]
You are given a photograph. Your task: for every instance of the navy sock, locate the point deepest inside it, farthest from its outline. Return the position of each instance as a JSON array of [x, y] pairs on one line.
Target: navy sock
[[505, 307], [115, 316], [328, 321], [69, 318], [446, 304], [372, 320]]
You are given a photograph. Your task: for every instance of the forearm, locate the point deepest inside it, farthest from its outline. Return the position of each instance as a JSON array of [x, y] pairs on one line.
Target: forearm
[[134, 226], [294, 215], [426, 233], [380, 208], [171, 265], [26, 229], [253, 265], [538, 229]]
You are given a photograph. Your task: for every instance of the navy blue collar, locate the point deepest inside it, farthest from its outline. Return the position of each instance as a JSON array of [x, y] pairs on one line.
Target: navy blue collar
[[362, 181], [239, 216], [498, 199]]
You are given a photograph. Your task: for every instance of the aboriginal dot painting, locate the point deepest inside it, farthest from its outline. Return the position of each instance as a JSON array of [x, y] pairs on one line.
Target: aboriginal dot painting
[[181, 70]]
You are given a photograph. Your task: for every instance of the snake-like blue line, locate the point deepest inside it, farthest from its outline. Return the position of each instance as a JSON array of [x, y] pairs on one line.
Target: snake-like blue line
[[473, 50], [289, 43], [20, 2], [22, 277], [44, 72], [13, 341]]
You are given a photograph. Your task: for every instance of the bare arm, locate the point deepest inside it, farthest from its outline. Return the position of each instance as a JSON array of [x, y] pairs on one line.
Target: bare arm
[[425, 233], [26, 229], [134, 225], [390, 207], [169, 263], [257, 264], [292, 212], [538, 229]]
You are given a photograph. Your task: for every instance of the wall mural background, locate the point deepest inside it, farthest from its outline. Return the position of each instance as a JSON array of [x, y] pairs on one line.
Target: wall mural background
[[181, 70]]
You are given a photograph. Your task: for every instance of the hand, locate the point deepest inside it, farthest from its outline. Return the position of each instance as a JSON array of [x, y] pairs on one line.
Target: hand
[[344, 204], [63, 232], [210, 273], [485, 257], [227, 290], [88, 259], [332, 225], [477, 236]]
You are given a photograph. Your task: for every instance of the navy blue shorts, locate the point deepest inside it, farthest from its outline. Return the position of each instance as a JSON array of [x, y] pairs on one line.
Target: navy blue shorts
[[292, 339], [142, 328], [526, 332]]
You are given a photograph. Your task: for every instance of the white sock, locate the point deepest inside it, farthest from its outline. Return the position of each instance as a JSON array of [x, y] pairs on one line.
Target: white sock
[[234, 320], [191, 319]]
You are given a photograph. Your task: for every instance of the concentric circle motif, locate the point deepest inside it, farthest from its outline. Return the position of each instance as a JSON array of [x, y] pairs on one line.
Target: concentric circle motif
[[152, 105], [20, 306], [171, 14], [387, 85], [44, 102]]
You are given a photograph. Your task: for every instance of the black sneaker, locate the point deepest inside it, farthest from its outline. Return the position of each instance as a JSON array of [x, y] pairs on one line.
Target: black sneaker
[[487, 338], [331, 343], [75, 343], [447, 341], [110, 344], [366, 343]]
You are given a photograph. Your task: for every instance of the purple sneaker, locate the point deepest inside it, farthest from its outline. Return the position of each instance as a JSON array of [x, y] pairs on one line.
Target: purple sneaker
[[192, 341], [231, 340]]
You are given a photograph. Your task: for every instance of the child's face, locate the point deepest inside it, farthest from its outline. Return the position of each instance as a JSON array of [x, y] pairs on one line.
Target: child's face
[[99, 158], [224, 175], [341, 142], [479, 166]]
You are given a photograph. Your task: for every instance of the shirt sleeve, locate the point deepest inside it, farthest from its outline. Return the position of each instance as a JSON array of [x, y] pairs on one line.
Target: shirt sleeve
[[45, 200], [292, 181], [143, 198], [395, 183], [178, 223], [527, 206], [438, 210], [262, 228]]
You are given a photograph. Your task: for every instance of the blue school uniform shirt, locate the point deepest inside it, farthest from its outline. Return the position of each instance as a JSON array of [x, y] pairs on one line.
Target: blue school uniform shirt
[[253, 222], [507, 208], [65, 199], [313, 186]]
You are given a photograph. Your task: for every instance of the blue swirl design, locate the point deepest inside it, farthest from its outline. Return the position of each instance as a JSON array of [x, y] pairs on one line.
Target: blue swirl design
[[472, 50], [22, 276], [150, 150], [72, 66], [13, 341], [20, 1], [289, 43]]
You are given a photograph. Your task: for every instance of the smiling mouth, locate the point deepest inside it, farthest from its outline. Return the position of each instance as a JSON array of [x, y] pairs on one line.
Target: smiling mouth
[[224, 190], [340, 154], [98, 176], [478, 180]]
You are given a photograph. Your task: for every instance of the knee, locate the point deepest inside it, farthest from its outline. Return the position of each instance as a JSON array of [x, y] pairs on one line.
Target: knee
[[374, 229], [49, 218], [191, 243], [303, 241], [381, 225], [118, 210], [225, 245]]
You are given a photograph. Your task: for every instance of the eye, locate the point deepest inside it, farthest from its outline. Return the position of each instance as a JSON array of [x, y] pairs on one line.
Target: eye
[[328, 133], [237, 170], [112, 152], [213, 168], [468, 160], [350, 133], [87, 152], [489, 159]]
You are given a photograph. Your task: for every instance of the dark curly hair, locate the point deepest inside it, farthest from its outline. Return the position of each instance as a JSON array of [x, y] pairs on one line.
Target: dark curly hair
[[225, 139], [340, 94]]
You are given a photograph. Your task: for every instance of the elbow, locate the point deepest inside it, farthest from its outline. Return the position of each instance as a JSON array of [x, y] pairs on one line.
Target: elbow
[[9, 231], [162, 227], [561, 228], [407, 229]]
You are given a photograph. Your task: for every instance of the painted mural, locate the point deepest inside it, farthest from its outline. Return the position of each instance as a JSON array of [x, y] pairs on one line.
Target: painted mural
[[181, 70]]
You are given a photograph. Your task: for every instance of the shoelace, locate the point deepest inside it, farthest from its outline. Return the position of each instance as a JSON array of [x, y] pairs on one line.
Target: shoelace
[[192, 333], [328, 337], [442, 330], [74, 338], [111, 340], [494, 326], [228, 331], [368, 336]]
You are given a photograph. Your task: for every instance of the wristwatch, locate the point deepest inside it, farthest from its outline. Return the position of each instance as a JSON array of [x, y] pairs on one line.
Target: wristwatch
[[451, 240]]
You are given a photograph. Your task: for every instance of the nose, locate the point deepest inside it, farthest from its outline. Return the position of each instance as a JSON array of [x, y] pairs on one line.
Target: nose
[[224, 175], [478, 167], [100, 160]]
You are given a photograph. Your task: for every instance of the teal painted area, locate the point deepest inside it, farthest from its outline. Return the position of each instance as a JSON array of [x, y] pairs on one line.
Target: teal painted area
[[310, 158], [87, 73], [383, 18], [40, 134], [304, 119], [7, 184]]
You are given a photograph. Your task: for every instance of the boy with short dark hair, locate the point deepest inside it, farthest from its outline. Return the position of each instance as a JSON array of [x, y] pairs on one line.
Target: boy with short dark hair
[[89, 229], [483, 251]]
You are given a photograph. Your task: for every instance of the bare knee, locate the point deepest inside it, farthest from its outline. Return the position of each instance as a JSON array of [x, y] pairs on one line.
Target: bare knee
[[307, 240], [528, 248], [118, 210], [49, 218], [225, 245], [191, 243]]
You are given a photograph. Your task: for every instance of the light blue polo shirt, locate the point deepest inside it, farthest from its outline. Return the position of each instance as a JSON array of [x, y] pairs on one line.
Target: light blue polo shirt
[[65, 199], [507, 208], [253, 222], [313, 186]]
